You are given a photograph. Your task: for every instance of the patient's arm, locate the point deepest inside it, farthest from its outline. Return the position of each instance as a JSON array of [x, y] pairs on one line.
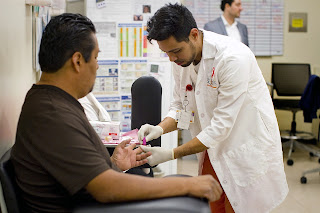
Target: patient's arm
[[112, 186]]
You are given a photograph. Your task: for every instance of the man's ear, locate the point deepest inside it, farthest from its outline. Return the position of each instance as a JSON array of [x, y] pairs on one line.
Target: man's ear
[[76, 60], [227, 6], [194, 33]]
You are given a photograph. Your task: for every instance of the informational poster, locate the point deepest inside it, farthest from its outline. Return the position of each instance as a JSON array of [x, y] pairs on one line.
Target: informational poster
[[107, 79], [106, 33], [264, 20], [124, 11], [113, 87], [112, 104], [114, 10], [101, 3], [130, 39], [126, 113], [130, 70]]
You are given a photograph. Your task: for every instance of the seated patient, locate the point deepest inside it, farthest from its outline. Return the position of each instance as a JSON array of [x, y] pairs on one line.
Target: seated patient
[[58, 158]]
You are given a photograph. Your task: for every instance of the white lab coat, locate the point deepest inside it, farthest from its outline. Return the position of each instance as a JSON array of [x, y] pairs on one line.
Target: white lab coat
[[93, 109], [235, 119]]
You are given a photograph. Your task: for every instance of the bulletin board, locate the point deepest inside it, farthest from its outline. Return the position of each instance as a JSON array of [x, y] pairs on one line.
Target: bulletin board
[[264, 20], [125, 53]]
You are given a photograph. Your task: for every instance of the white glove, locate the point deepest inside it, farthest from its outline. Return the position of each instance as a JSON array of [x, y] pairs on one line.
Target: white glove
[[150, 132], [159, 155]]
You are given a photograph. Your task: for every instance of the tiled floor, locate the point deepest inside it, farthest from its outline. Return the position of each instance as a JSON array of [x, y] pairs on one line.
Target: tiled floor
[[302, 198]]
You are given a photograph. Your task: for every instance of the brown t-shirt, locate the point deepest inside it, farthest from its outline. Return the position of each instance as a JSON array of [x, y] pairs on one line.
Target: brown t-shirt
[[57, 152]]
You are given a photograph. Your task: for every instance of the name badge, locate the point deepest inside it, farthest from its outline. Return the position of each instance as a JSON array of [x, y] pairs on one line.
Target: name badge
[[184, 118]]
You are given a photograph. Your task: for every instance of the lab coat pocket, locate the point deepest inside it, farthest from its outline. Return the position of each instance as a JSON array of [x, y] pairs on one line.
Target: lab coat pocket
[[248, 163], [211, 97]]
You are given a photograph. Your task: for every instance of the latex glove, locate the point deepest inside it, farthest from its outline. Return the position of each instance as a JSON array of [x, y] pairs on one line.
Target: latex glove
[[150, 132], [159, 154]]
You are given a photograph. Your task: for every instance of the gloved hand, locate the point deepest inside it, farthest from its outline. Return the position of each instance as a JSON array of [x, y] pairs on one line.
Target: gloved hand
[[159, 154], [150, 132]]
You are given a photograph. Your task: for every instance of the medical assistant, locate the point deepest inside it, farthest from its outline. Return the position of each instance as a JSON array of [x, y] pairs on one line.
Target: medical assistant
[[235, 119]]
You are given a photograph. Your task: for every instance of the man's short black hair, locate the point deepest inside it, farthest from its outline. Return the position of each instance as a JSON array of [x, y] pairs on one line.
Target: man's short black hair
[[171, 20], [224, 2], [64, 35]]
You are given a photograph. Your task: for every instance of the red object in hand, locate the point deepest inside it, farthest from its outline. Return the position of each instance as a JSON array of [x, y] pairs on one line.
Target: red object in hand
[[189, 87], [144, 141]]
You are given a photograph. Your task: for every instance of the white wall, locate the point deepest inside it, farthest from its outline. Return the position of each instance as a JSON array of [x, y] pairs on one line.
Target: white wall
[[16, 73], [298, 48]]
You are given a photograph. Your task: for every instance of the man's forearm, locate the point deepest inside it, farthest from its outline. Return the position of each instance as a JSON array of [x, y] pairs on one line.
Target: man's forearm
[[192, 147], [168, 125], [112, 186]]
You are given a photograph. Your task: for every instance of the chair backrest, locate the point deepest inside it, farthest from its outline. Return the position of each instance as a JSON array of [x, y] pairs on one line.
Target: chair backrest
[[146, 94], [290, 79], [8, 184]]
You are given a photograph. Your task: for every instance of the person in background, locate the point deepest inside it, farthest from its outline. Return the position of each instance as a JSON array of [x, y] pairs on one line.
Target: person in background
[[93, 109], [58, 158], [220, 95], [227, 24]]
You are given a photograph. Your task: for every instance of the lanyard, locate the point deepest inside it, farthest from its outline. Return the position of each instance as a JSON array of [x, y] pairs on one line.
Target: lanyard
[[185, 101]]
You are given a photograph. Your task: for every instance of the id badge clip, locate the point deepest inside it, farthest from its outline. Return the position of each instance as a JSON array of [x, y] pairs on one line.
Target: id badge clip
[[184, 118]]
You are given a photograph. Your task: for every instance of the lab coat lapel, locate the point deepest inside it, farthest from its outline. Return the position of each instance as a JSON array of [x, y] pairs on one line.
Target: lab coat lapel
[[207, 70]]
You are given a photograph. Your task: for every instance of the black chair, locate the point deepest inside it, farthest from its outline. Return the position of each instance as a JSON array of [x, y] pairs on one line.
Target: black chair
[[290, 80], [146, 94], [183, 204], [9, 188]]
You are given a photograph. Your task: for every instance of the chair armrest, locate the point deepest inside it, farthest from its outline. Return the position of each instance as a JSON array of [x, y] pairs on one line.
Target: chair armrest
[[164, 205], [270, 84]]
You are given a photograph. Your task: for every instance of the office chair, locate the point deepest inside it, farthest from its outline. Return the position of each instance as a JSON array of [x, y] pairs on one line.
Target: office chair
[[310, 103], [290, 80], [13, 202], [146, 94], [303, 178]]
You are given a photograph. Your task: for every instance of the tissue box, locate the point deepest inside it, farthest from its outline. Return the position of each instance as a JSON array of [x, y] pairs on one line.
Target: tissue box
[[105, 129]]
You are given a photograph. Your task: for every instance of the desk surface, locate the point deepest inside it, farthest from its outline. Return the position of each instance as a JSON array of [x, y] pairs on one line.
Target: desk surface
[[110, 145], [114, 144]]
